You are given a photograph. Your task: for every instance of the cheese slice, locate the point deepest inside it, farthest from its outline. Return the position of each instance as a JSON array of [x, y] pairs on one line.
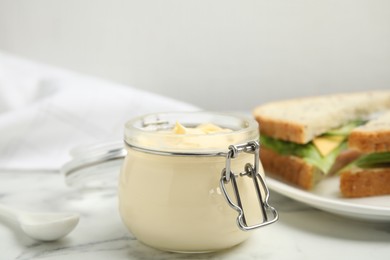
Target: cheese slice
[[326, 144]]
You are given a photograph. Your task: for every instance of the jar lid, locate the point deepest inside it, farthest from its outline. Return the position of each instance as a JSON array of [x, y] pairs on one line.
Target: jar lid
[[94, 165]]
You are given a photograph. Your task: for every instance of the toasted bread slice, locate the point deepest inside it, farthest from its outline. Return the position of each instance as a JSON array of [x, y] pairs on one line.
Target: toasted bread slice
[[372, 137], [365, 182], [290, 169], [300, 120]]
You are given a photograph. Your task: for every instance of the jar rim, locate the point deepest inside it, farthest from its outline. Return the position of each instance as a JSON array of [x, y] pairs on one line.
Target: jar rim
[[144, 131]]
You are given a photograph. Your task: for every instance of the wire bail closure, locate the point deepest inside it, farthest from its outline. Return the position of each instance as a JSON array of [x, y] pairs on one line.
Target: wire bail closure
[[270, 215]]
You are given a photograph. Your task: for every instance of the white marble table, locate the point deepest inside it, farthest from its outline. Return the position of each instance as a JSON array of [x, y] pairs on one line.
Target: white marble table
[[301, 233]]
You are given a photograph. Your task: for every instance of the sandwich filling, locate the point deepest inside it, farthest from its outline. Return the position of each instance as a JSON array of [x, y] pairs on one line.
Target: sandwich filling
[[370, 161], [321, 152]]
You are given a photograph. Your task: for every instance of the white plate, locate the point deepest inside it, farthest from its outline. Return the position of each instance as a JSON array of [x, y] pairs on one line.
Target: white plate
[[326, 196]]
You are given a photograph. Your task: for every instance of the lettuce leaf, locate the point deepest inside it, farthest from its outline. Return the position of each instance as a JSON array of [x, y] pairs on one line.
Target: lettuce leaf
[[307, 152], [345, 129], [373, 160]]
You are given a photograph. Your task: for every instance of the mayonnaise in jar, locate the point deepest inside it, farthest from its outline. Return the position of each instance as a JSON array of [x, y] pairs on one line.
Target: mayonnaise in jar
[[175, 192]]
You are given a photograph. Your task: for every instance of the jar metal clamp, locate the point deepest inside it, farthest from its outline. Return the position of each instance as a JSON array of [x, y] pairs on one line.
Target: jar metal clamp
[[251, 172]]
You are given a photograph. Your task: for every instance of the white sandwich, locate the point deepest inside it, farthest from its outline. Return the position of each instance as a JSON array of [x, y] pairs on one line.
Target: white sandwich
[[301, 138]]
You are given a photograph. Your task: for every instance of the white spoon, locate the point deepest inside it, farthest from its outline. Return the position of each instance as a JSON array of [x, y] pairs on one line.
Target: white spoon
[[41, 225]]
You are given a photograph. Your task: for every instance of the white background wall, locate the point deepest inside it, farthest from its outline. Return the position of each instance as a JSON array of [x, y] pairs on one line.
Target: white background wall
[[218, 54]]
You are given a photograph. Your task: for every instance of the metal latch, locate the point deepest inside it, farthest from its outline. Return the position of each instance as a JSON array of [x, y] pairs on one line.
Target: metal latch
[[270, 215]]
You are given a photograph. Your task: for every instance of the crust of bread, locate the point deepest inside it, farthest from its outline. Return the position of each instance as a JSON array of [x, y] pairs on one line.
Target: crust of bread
[[290, 169], [370, 142], [372, 137], [287, 131], [300, 120], [365, 182]]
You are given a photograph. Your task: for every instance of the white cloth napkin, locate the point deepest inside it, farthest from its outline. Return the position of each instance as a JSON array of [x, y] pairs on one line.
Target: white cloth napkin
[[45, 112]]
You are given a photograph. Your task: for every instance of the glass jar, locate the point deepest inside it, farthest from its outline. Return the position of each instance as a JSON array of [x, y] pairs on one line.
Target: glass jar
[[192, 192]]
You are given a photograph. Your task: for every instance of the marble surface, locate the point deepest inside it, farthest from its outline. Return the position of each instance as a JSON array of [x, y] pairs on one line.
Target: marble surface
[[301, 233]]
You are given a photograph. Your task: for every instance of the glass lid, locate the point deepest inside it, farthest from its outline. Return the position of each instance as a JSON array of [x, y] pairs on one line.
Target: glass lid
[[94, 166]]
